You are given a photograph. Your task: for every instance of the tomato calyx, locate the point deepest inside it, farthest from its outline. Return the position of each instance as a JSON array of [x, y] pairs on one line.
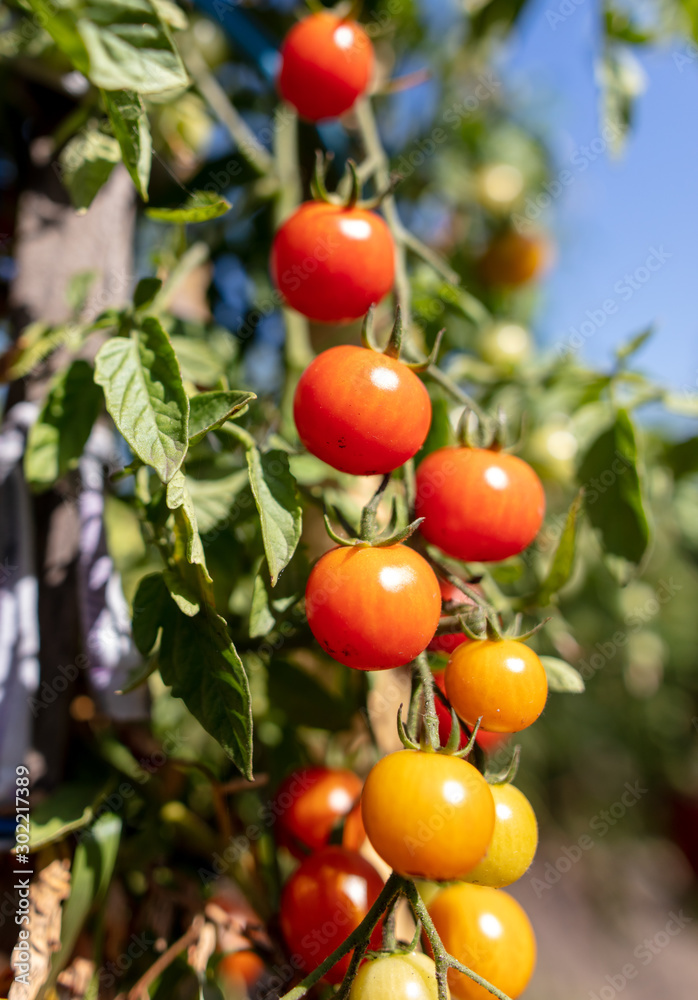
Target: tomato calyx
[[394, 346], [348, 193], [368, 535], [506, 775]]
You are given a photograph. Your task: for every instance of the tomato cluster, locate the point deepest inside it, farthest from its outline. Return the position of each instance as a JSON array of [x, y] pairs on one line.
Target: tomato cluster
[[375, 602]]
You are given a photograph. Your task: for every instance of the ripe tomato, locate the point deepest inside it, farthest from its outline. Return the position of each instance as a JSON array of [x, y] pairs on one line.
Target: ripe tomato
[[396, 977], [514, 841], [488, 741], [324, 900], [240, 971], [372, 608], [488, 931], [326, 63], [514, 259], [503, 681], [480, 505], [332, 263], [360, 411], [310, 803], [428, 815]]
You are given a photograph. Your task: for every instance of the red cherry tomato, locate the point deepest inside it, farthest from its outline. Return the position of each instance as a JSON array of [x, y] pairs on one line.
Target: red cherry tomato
[[372, 608], [324, 900], [488, 931], [332, 263], [479, 505], [360, 411], [503, 681], [488, 741], [326, 63], [428, 815], [310, 803]]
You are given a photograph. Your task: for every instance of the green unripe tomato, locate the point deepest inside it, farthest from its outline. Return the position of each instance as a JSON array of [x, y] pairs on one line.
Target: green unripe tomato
[[396, 977], [514, 841], [505, 345]]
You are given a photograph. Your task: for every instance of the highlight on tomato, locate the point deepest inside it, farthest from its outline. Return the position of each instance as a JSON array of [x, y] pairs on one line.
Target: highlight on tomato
[[360, 411], [324, 900], [326, 64], [503, 681], [514, 840], [331, 262], [311, 802], [401, 976], [479, 505], [487, 930], [428, 815], [372, 607]]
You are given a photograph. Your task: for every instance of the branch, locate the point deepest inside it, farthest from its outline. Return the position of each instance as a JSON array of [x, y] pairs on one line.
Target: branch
[[140, 989]]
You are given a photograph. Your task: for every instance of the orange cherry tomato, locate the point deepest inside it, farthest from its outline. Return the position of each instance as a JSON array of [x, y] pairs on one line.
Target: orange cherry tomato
[[488, 931], [310, 803], [326, 63], [488, 741], [428, 815], [372, 607], [514, 259], [503, 681], [479, 505], [360, 411], [332, 263], [324, 900], [514, 841], [240, 971]]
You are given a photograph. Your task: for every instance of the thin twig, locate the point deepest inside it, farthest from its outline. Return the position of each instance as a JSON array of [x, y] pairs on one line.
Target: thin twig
[[431, 722], [140, 989]]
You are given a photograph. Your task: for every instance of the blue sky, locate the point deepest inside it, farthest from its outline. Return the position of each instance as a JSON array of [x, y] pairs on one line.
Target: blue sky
[[615, 211]]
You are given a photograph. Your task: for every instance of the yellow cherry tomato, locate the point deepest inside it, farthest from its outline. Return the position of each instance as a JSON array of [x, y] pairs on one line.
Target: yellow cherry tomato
[[514, 841], [396, 977]]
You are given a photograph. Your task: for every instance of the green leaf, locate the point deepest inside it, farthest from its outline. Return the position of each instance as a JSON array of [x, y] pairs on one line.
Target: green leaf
[[209, 410], [612, 493], [306, 702], [269, 604], [57, 439], [563, 560], [69, 808], [214, 498], [632, 346], [561, 676], [280, 513], [146, 290], [86, 163], [682, 457], [149, 605], [144, 394], [131, 129], [199, 207], [117, 44], [179, 500], [199, 662], [262, 621], [182, 594]]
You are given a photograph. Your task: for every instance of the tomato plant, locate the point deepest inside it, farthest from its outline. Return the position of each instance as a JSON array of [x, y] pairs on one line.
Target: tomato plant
[[326, 63], [395, 977], [501, 681], [311, 802], [477, 504], [323, 901], [361, 412], [332, 263], [514, 839], [372, 607], [441, 815], [487, 930]]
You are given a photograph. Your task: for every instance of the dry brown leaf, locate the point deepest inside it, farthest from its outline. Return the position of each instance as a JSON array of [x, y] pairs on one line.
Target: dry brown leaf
[[46, 893]]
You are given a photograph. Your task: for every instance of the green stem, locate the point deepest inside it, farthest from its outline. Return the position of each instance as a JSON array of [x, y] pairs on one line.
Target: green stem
[[390, 890], [454, 390], [243, 436], [389, 942], [410, 480], [431, 721], [442, 959], [367, 530]]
